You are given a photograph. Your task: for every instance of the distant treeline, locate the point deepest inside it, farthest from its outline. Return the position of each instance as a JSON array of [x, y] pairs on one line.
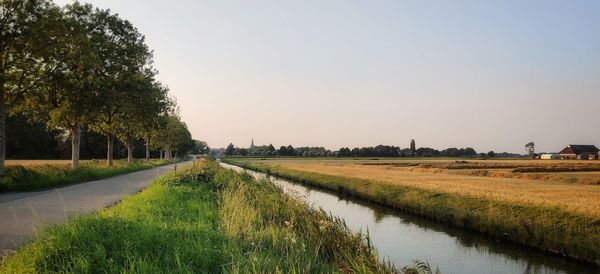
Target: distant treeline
[[377, 151]]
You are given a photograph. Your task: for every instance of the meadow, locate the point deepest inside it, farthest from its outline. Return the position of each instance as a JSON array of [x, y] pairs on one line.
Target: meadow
[[27, 175], [203, 219], [550, 205]]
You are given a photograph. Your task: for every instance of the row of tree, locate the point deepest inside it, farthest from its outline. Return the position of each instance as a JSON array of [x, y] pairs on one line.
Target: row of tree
[[34, 140], [377, 151], [78, 68]]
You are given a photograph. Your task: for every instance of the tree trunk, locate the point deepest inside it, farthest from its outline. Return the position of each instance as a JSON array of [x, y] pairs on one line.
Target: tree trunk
[[147, 149], [3, 112], [168, 153], [109, 149], [75, 142], [129, 153]]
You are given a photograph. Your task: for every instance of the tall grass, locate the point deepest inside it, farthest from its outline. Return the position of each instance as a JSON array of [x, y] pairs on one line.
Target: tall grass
[[545, 227], [203, 219], [33, 177]]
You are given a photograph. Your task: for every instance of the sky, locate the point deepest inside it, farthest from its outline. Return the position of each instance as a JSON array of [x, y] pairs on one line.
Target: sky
[[492, 75]]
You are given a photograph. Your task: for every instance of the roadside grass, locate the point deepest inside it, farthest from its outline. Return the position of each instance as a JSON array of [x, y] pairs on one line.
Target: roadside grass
[[33, 177], [202, 219], [549, 228]]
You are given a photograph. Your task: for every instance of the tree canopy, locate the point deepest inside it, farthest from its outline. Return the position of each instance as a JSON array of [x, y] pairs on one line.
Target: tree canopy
[[79, 69]]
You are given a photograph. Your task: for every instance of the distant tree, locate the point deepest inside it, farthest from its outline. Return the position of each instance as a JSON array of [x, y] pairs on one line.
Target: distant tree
[[491, 154], [427, 152], [469, 152], [230, 150], [242, 151], [200, 147], [344, 152], [530, 148]]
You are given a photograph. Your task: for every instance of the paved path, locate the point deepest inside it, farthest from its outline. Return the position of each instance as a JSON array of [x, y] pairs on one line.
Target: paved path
[[21, 214]]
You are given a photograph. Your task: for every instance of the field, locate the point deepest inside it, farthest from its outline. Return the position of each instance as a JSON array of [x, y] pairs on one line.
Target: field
[[552, 205], [202, 219], [38, 162], [26, 175]]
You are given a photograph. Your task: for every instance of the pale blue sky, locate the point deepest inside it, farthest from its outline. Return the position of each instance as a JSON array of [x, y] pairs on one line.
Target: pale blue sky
[[491, 75]]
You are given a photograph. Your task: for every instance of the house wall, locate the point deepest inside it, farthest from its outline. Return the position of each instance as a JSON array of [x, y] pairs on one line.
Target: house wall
[[568, 156]]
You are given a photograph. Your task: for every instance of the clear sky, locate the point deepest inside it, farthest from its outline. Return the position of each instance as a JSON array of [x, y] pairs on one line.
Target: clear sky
[[492, 75]]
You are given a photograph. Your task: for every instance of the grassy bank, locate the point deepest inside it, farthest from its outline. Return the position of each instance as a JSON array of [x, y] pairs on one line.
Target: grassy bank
[[33, 177], [202, 219], [549, 228]]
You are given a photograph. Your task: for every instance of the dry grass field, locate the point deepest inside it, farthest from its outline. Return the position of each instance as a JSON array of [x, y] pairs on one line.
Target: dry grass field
[[576, 192], [36, 162]]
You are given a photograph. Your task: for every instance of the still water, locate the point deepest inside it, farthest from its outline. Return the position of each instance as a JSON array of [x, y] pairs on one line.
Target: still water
[[402, 238]]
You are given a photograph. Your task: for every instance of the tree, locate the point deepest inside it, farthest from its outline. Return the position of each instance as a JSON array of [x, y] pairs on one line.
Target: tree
[[124, 56], [23, 37], [230, 150], [143, 102], [491, 154], [200, 147], [469, 152], [69, 93], [530, 148]]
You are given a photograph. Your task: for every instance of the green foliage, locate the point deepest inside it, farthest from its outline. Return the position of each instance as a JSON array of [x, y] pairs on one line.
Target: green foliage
[[202, 219], [23, 178], [546, 228], [78, 67]]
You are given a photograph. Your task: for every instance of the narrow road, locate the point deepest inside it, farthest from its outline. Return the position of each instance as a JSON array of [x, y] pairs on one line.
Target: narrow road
[[22, 214]]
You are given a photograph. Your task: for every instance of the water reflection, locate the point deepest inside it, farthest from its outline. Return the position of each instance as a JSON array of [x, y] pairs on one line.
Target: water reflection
[[402, 238]]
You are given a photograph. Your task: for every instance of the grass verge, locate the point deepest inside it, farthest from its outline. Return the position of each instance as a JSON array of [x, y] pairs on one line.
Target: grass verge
[[202, 219], [25, 178], [547, 228]]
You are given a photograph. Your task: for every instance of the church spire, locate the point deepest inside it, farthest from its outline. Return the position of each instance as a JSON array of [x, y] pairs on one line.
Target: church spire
[[252, 144]]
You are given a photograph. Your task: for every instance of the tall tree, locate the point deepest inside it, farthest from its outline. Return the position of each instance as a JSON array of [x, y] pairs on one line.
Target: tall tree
[[21, 39], [530, 148], [144, 101], [124, 56], [69, 94]]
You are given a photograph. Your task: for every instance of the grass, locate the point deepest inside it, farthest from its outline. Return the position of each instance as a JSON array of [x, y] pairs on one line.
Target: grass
[[552, 216], [203, 219], [34, 175]]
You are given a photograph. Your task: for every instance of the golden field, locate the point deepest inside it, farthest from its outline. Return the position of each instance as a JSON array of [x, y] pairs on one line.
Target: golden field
[[577, 191], [36, 162]]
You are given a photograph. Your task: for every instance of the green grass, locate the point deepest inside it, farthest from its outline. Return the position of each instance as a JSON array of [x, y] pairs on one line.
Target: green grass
[[34, 177], [203, 219], [546, 228]]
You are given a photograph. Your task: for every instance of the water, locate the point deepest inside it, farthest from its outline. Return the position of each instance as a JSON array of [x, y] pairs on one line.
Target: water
[[402, 238]]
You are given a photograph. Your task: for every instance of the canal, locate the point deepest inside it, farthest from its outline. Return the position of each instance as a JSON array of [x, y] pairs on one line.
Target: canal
[[402, 238]]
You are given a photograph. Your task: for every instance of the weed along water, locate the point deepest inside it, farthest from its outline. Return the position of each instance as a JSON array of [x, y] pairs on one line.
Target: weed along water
[[402, 238]]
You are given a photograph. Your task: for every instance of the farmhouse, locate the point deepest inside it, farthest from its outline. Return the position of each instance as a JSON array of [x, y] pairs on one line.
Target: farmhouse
[[580, 152]]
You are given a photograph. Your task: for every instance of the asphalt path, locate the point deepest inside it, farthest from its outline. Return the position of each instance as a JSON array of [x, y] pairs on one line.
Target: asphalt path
[[23, 214]]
